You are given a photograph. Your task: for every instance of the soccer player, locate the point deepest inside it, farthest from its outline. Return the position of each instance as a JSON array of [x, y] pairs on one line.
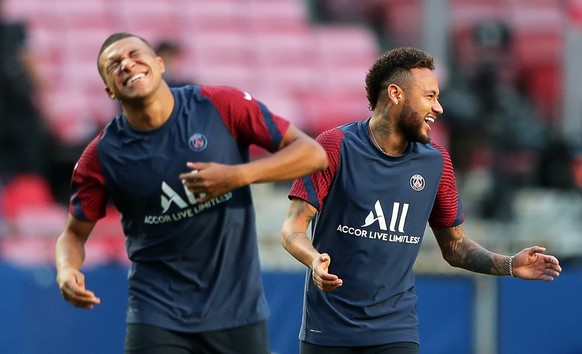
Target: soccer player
[[368, 212], [176, 164]]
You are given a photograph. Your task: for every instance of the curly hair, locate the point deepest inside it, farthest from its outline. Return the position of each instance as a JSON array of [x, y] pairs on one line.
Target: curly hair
[[393, 68]]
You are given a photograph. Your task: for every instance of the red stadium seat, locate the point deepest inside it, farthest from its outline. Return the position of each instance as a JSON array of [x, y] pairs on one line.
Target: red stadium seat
[[25, 191]]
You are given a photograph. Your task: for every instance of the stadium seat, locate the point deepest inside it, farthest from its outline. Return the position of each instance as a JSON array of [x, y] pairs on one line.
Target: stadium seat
[[35, 13], [221, 15], [107, 242], [27, 250], [229, 75], [221, 47], [24, 191], [280, 50], [67, 114], [403, 20], [324, 110], [94, 14], [277, 16], [345, 46], [281, 104]]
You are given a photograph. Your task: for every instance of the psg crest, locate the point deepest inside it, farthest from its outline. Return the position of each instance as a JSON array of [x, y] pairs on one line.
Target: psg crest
[[417, 182], [198, 142]]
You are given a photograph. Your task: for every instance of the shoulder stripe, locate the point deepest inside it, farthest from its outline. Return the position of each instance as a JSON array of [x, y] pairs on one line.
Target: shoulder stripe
[[271, 126]]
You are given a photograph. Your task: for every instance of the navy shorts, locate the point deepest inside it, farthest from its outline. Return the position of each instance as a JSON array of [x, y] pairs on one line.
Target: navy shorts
[[392, 348], [147, 339]]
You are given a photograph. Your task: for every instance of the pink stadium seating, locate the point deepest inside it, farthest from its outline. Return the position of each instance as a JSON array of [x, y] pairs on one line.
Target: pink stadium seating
[[277, 16], [220, 47], [202, 15], [343, 46], [402, 23], [324, 110]]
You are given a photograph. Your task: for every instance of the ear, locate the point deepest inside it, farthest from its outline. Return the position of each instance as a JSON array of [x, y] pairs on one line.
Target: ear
[[395, 93], [109, 93], [161, 64]]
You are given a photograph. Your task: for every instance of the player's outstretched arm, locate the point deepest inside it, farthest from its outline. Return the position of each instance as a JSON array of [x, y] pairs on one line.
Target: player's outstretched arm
[[294, 240], [298, 155], [460, 251], [69, 256]]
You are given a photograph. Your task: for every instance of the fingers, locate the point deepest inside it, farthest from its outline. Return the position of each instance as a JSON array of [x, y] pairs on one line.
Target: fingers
[[327, 282], [536, 249], [321, 278], [79, 297], [553, 268], [552, 260]]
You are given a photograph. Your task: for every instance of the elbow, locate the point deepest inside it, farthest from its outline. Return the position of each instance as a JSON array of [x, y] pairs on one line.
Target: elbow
[[319, 158], [452, 263], [284, 237], [283, 241]]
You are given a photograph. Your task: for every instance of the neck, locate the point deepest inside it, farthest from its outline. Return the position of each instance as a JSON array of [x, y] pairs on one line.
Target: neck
[[151, 112], [385, 140]]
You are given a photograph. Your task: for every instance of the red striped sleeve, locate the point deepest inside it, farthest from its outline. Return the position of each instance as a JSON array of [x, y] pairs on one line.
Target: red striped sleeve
[[89, 197], [314, 188], [249, 121], [447, 210]]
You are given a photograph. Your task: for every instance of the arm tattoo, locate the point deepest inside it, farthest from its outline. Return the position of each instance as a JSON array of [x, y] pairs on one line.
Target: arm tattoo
[[291, 237], [296, 210], [462, 252]]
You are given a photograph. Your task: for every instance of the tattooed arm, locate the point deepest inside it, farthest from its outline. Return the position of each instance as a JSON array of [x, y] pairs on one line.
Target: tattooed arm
[[294, 239], [460, 251]]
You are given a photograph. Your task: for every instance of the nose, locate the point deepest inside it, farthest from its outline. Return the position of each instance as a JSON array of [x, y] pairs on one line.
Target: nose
[[127, 64], [437, 107]]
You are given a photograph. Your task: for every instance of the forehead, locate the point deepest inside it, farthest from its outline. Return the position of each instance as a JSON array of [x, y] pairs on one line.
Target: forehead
[[123, 46], [425, 79]]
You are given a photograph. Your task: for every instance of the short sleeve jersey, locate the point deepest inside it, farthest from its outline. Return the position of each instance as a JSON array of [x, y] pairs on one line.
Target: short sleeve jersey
[[372, 213], [195, 266]]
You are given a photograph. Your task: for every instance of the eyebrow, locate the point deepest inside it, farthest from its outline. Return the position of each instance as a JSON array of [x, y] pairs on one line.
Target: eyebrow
[[116, 57], [434, 92]]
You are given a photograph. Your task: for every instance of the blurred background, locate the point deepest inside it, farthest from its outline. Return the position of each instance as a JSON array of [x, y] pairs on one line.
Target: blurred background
[[509, 76]]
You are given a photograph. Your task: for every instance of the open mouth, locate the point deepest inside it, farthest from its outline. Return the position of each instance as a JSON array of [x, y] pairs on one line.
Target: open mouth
[[429, 119], [134, 79]]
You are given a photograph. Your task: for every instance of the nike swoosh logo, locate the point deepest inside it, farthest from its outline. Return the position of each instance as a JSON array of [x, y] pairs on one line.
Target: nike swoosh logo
[[248, 96]]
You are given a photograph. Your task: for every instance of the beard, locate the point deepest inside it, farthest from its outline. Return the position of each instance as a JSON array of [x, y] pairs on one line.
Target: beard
[[411, 124]]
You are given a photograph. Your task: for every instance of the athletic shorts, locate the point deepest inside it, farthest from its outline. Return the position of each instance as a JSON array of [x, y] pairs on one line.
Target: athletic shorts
[[147, 339], [392, 348]]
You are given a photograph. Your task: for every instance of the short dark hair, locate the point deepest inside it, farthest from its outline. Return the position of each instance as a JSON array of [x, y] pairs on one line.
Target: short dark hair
[[114, 38], [393, 67]]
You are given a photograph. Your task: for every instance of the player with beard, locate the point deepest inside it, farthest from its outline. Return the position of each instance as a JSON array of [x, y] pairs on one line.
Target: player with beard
[[369, 210]]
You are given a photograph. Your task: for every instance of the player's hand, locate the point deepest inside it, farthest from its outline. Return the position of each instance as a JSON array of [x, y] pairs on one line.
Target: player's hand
[[532, 264], [321, 278], [208, 180], [72, 285]]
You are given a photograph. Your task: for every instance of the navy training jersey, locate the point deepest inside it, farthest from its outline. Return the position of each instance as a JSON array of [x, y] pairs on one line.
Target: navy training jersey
[[195, 267], [372, 214]]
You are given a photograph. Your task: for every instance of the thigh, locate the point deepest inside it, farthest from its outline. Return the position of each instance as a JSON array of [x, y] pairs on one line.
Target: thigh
[[247, 339], [392, 348], [147, 339]]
